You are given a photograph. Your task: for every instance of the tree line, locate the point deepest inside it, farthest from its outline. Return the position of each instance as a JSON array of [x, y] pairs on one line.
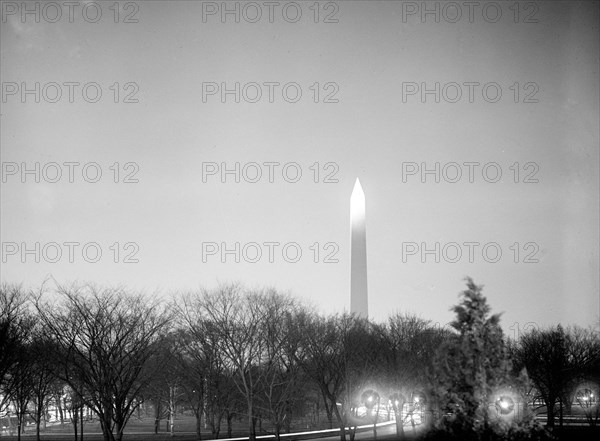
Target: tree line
[[264, 357]]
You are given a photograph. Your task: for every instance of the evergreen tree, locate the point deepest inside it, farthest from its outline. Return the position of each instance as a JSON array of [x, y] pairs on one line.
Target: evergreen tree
[[470, 367]]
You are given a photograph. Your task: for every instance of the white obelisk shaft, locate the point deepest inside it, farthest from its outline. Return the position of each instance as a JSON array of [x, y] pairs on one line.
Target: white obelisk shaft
[[359, 303]]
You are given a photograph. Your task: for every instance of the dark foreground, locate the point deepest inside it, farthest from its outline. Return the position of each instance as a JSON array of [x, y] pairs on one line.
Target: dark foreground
[[141, 431], [568, 434]]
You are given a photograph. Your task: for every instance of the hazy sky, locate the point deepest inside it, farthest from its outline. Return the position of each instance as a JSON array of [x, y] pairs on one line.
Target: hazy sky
[[517, 93]]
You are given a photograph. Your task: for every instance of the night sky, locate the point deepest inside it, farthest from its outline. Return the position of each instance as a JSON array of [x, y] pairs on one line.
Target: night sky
[[499, 103]]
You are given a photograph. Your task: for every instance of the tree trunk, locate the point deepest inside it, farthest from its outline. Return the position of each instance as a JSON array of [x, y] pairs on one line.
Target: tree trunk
[[254, 426], [106, 428], [38, 422], [218, 425], [157, 410], [399, 428], [328, 411], [550, 413], [561, 416], [229, 424], [60, 409], [119, 427], [288, 417], [251, 421], [211, 421], [342, 423], [66, 409], [375, 422], [74, 417], [172, 409], [199, 425], [399, 420]]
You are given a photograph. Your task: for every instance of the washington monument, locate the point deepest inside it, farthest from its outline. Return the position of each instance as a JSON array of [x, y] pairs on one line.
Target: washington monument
[[359, 301]]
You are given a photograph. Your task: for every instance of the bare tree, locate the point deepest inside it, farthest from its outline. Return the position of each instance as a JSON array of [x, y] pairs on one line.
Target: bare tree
[[207, 377], [160, 390], [557, 360], [281, 374], [20, 384], [410, 345], [317, 358], [42, 375], [106, 337], [246, 333], [13, 330], [234, 320], [341, 355]]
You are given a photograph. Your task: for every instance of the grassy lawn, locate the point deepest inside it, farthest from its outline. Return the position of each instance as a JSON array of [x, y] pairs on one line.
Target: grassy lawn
[[135, 430]]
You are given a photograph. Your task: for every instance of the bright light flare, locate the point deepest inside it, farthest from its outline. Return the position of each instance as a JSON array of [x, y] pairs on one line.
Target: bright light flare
[[585, 397], [505, 405]]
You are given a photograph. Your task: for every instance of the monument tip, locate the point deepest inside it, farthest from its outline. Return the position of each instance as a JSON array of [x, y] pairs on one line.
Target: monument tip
[[357, 187]]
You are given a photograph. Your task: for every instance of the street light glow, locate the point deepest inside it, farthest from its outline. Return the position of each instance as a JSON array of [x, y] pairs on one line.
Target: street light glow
[[505, 405], [585, 397]]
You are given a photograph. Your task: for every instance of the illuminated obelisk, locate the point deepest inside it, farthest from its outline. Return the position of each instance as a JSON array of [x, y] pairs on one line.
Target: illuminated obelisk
[[359, 303]]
